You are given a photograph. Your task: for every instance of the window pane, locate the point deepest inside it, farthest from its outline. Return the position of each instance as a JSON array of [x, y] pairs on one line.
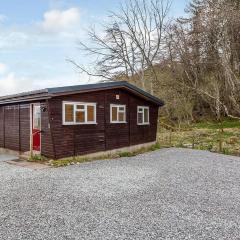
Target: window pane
[[80, 117], [140, 118], [114, 114], [140, 110], [36, 117], [69, 113], [146, 115], [80, 107], [121, 116], [90, 113], [121, 109]]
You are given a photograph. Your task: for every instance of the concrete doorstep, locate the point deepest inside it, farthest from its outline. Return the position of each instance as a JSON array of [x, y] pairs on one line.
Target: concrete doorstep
[[14, 158], [7, 157], [30, 165]]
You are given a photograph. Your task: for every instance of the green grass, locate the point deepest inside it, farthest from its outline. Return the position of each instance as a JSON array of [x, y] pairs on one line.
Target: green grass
[[127, 154], [79, 159], [226, 123], [207, 135], [37, 158]]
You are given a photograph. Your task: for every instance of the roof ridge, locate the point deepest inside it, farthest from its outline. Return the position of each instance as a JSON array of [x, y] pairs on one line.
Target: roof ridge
[[50, 92], [44, 90]]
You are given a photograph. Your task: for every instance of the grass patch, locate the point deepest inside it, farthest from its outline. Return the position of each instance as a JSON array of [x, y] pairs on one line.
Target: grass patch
[[205, 136], [37, 158], [226, 123], [79, 159], [127, 154], [155, 147]]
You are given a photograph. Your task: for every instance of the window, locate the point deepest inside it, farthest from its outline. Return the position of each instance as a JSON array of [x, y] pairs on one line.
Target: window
[[117, 113], [36, 117], [143, 115], [69, 113], [79, 113]]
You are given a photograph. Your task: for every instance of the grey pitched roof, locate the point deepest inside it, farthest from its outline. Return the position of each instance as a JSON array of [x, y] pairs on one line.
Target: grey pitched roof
[[51, 92]]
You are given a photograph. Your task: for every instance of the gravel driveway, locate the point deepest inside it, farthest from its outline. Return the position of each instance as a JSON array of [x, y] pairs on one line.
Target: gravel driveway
[[166, 194]]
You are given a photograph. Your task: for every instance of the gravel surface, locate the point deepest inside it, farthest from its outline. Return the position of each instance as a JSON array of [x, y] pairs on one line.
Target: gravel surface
[[166, 194]]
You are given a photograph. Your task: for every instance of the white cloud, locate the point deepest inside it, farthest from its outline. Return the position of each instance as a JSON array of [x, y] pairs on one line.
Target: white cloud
[[11, 83], [57, 28], [13, 39], [3, 68], [43, 43], [60, 21]]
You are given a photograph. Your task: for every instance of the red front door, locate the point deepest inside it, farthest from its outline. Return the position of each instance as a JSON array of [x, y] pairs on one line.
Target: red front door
[[36, 127]]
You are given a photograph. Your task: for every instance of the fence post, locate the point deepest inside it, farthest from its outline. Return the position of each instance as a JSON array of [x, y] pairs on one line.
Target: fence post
[[220, 145], [221, 140], [193, 142], [170, 138]]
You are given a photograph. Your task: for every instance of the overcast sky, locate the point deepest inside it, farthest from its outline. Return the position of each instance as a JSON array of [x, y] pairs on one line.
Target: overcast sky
[[37, 36]]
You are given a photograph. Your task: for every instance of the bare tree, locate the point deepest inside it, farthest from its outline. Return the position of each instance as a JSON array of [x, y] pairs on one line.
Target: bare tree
[[130, 44], [193, 61], [204, 53]]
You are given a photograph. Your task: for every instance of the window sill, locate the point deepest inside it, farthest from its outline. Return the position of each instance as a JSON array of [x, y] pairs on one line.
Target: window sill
[[143, 124], [118, 122], [74, 124]]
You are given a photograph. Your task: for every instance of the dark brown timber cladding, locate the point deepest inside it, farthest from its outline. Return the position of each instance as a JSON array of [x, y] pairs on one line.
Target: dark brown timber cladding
[[117, 134], [47, 148], [24, 127], [12, 127], [142, 133], [15, 127], [84, 139], [1, 127], [77, 139], [15, 121]]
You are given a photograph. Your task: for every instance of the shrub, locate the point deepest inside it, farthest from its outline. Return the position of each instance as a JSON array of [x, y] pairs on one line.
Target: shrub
[[126, 154], [209, 146], [155, 147], [37, 158], [226, 151]]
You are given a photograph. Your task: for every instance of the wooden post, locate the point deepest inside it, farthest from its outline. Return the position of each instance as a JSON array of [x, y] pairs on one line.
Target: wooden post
[[220, 145], [220, 135], [170, 138], [193, 142], [221, 140]]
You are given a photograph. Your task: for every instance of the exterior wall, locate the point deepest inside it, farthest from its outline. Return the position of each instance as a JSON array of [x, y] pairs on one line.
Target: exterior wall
[[24, 127], [1, 127], [12, 127], [15, 129], [142, 133], [47, 148], [77, 139], [117, 134], [85, 139], [59, 141]]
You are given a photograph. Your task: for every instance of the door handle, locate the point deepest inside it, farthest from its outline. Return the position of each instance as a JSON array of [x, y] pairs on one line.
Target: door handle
[[39, 131]]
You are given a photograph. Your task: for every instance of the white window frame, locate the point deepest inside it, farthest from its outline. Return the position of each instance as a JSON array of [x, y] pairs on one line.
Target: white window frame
[[85, 104], [142, 112], [118, 106]]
